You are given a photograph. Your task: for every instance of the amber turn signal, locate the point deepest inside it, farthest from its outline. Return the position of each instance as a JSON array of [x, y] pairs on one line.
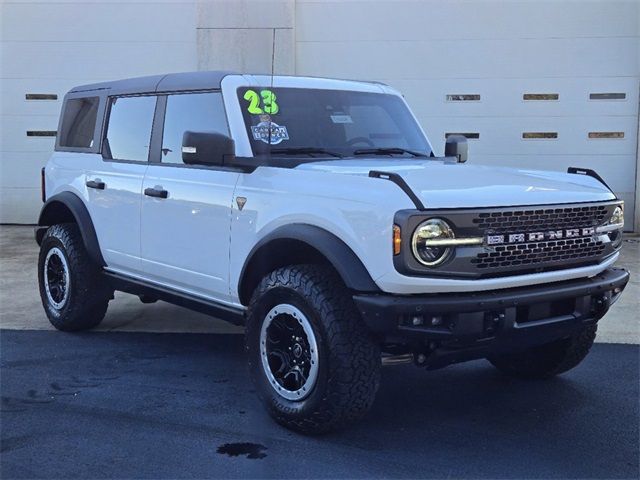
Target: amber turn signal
[[397, 240]]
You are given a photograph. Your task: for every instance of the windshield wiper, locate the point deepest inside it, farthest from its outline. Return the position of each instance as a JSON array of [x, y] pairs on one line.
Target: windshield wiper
[[388, 151], [304, 151]]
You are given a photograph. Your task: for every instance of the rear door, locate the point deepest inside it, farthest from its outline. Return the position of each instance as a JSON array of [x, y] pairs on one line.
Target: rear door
[[114, 185], [185, 236]]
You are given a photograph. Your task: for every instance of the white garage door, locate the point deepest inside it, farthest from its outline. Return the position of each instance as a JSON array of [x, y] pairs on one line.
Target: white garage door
[[534, 84], [49, 47]]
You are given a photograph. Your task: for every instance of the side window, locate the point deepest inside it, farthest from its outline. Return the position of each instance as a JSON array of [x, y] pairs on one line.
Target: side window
[[196, 112], [79, 122], [129, 130]]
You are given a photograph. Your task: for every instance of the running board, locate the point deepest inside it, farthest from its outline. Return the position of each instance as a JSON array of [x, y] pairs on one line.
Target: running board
[[126, 284]]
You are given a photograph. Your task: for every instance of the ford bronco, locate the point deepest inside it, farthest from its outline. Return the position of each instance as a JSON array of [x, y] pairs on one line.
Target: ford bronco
[[315, 213]]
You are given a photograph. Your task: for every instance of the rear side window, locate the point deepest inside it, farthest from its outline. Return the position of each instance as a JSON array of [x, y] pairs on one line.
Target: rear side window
[[196, 112], [129, 128], [79, 122]]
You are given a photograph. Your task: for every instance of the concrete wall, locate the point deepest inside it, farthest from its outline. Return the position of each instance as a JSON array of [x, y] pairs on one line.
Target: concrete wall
[[242, 35]]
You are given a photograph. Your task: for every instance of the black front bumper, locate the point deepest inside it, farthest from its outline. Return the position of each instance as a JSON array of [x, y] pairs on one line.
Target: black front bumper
[[478, 324]]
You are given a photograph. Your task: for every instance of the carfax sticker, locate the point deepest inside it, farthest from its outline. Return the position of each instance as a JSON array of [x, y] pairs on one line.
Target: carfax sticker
[[261, 132], [341, 118]]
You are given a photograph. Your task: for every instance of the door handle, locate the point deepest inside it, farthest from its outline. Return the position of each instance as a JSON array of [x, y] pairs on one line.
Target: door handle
[[97, 184], [156, 192]]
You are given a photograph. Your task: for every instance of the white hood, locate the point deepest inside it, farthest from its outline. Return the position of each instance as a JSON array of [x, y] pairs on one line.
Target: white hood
[[442, 184]]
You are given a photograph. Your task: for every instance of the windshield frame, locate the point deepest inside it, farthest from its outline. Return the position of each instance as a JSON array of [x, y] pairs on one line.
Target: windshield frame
[[238, 129]]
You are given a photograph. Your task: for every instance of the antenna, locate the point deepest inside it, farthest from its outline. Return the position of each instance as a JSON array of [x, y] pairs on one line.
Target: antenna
[[273, 61]]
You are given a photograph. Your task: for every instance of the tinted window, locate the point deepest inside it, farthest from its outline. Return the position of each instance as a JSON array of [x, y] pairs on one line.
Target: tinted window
[[79, 122], [196, 112], [341, 121], [129, 130]]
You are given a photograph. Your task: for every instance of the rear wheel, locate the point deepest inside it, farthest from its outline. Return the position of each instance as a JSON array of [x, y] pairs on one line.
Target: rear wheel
[[550, 359], [73, 293], [312, 360]]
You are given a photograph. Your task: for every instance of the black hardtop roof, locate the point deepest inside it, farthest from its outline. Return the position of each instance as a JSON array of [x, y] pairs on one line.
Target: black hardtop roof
[[170, 82]]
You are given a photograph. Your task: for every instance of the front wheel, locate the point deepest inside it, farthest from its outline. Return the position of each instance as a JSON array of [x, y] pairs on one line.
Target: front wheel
[[550, 359], [312, 360], [73, 292]]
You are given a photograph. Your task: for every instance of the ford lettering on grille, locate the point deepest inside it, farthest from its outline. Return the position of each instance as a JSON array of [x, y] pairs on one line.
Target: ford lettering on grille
[[524, 237]]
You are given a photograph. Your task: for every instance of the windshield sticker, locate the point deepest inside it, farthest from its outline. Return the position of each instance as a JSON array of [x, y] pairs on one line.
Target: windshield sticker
[[341, 118], [269, 104], [278, 132]]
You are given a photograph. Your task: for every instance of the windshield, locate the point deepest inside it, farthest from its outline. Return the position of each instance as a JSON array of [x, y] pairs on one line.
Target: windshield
[[328, 122]]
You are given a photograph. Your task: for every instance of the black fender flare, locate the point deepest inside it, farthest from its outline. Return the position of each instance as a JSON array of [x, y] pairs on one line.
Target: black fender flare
[[333, 249], [50, 215]]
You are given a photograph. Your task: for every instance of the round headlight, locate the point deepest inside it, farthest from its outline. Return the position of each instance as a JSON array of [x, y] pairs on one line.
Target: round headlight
[[617, 218], [425, 242]]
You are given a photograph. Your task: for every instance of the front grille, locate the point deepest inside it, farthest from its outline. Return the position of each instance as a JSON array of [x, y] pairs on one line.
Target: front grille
[[543, 218], [539, 253], [545, 254]]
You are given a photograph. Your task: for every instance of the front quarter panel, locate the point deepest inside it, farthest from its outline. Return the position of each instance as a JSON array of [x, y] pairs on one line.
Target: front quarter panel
[[358, 210]]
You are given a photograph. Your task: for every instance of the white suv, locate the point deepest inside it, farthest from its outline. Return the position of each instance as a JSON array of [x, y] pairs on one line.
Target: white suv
[[315, 213]]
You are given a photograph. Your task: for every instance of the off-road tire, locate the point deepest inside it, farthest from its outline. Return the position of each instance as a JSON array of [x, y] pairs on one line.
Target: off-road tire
[[349, 359], [548, 360], [88, 294]]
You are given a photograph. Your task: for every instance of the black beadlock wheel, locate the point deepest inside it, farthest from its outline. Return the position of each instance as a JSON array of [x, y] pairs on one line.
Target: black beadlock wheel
[[548, 360], [314, 363], [73, 293]]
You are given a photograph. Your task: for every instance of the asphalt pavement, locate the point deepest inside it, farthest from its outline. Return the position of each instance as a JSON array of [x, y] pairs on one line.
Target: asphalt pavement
[[175, 405]]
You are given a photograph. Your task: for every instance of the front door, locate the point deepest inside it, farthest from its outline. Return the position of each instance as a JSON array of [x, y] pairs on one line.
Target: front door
[[186, 209]]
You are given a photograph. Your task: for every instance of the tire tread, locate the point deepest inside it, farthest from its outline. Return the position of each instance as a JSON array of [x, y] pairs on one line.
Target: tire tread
[[354, 375]]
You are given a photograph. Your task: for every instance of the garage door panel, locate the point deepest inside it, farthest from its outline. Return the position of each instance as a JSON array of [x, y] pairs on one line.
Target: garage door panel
[[505, 135], [21, 169], [81, 20], [13, 135], [428, 97], [476, 59], [43, 60], [340, 20], [13, 91]]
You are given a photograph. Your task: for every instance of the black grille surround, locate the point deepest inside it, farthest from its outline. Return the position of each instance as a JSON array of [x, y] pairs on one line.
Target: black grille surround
[[521, 256]]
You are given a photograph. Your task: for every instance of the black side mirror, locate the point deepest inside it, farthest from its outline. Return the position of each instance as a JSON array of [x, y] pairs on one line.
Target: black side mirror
[[456, 146], [207, 148]]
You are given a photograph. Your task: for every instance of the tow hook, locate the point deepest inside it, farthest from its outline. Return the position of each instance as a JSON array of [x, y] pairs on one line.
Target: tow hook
[[397, 359], [417, 358], [420, 359], [600, 304]]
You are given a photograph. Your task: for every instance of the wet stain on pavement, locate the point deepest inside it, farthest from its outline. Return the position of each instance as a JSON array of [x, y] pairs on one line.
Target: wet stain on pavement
[[12, 443], [8, 404], [251, 450]]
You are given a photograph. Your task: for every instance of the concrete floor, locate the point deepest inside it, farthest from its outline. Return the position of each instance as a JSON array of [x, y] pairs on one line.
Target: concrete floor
[[20, 306]]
